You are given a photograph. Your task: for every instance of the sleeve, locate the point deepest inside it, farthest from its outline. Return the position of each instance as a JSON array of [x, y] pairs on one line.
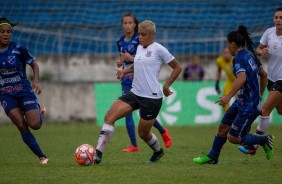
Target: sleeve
[[118, 45], [263, 39], [26, 55], [239, 65], [164, 54]]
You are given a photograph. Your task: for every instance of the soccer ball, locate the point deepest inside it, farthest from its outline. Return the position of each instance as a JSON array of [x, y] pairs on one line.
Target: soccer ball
[[85, 155]]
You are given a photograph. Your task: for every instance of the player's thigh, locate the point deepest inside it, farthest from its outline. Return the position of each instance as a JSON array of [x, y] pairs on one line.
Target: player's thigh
[[118, 109], [272, 101], [18, 119]]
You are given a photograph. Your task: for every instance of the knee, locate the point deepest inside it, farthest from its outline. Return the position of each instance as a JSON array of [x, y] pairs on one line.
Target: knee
[[109, 119], [279, 110], [233, 140], [223, 130], [266, 111], [35, 126]]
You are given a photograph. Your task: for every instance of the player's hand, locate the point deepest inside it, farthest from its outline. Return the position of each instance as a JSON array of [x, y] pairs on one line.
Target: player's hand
[[264, 51], [217, 88], [126, 57], [36, 88], [167, 91], [119, 74], [119, 63], [223, 100]]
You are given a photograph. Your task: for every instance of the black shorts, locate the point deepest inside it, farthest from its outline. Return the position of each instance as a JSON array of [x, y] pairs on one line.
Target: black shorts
[[274, 86], [149, 107]]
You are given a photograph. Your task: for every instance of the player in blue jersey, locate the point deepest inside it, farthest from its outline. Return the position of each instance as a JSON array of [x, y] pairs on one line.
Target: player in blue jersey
[[127, 46], [236, 122], [17, 95]]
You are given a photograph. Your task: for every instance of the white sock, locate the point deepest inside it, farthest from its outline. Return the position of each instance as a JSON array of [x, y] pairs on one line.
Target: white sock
[[105, 136], [263, 125], [154, 143]]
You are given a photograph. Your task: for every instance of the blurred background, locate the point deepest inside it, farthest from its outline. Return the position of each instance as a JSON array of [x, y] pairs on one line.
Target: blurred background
[[75, 45]]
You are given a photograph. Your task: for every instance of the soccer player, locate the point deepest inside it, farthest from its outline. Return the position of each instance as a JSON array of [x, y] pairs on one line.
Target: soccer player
[[224, 62], [270, 45], [146, 93], [127, 46], [237, 120], [17, 95]]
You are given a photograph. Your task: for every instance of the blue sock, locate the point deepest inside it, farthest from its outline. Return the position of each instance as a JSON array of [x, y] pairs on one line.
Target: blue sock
[[158, 126], [130, 129], [250, 139], [218, 142], [30, 141]]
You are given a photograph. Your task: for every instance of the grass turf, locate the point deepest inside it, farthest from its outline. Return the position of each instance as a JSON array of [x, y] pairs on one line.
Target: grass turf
[[59, 141]]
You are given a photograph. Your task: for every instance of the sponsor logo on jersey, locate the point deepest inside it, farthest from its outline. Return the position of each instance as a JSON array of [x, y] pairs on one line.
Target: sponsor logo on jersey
[[29, 102], [8, 71], [10, 80], [15, 52], [10, 89]]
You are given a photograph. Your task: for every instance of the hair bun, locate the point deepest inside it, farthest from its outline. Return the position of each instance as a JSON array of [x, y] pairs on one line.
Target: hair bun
[[242, 29]]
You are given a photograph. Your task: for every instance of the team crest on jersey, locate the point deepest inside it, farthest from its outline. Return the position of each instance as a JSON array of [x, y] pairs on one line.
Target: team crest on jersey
[[11, 60], [148, 54], [130, 48]]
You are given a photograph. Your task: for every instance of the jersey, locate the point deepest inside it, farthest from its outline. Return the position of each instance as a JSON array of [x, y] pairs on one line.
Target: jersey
[[227, 68], [147, 66], [248, 96], [13, 60], [274, 42], [129, 46]]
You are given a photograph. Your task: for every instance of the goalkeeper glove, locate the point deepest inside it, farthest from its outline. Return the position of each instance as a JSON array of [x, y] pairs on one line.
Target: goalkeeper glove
[[217, 88]]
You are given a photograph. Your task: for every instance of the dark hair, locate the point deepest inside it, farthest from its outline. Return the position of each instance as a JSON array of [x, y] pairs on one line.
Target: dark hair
[[242, 37], [5, 20], [135, 20], [278, 9]]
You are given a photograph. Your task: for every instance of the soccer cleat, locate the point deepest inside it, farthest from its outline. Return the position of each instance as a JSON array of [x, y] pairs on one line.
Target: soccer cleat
[[43, 160], [268, 146], [204, 160], [167, 139], [156, 156], [98, 157], [131, 148], [251, 150]]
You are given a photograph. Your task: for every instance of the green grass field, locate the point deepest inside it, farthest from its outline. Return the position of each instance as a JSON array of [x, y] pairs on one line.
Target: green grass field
[[59, 141]]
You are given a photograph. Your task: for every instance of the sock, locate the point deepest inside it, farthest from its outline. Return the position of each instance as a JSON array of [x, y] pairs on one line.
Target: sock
[[154, 143], [105, 136], [30, 141], [218, 142], [263, 125], [131, 129], [158, 126], [250, 139]]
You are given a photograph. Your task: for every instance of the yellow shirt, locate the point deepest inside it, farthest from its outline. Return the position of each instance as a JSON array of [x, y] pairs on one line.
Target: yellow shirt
[[227, 68]]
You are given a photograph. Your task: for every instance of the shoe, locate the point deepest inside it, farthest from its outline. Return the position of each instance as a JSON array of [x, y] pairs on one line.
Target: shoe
[[251, 150], [156, 156], [268, 146], [205, 160], [131, 148], [167, 139], [98, 157], [43, 160], [43, 110]]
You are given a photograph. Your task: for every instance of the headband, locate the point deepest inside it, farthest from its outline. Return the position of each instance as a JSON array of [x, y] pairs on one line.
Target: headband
[[5, 23]]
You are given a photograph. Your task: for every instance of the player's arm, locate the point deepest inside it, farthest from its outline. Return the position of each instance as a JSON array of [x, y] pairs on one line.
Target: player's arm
[[35, 84], [241, 79], [263, 81], [174, 74], [121, 73], [262, 50], [218, 77]]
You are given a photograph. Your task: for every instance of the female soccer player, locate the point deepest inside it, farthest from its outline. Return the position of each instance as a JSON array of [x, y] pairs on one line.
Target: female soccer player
[[271, 45], [236, 122], [17, 95], [127, 46], [146, 93], [224, 62]]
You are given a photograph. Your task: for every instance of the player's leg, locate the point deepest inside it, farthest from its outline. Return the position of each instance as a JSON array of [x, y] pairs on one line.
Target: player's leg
[[220, 138], [130, 127], [164, 132], [15, 113], [117, 110]]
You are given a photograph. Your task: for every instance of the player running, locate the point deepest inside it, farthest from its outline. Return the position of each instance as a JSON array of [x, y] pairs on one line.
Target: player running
[[146, 93], [236, 122], [127, 46], [17, 95]]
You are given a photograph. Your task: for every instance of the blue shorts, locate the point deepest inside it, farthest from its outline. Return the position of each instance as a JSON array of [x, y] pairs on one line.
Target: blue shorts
[[125, 89], [25, 102], [239, 124]]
